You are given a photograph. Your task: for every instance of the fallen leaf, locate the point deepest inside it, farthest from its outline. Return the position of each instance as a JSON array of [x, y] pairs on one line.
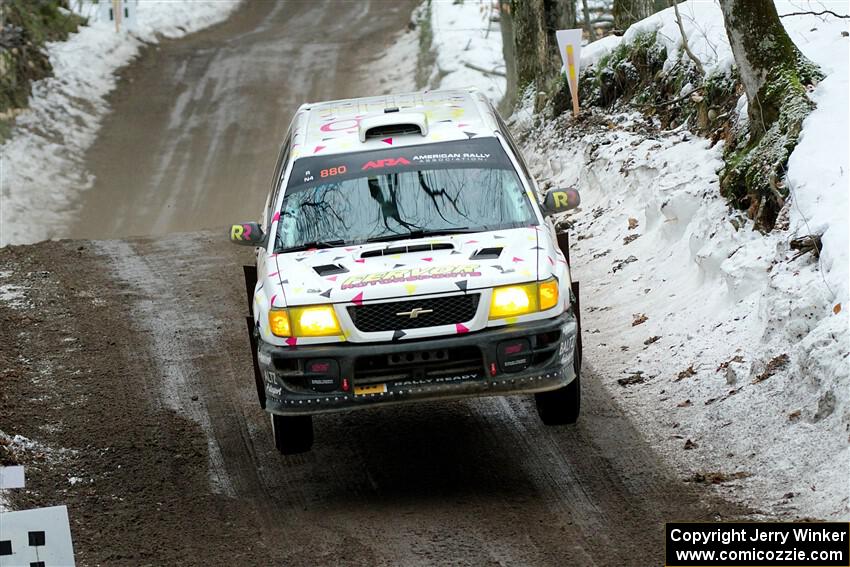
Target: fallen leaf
[[794, 415], [633, 223], [639, 318], [684, 404], [651, 340], [724, 365], [686, 373], [690, 445], [636, 378], [717, 477], [837, 308], [776, 364]]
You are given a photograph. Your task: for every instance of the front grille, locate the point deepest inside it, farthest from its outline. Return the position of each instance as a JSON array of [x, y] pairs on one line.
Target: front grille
[[426, 366], [431, 312]]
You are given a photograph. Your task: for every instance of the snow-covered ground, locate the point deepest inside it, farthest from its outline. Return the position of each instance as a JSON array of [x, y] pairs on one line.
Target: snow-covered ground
[[41, 172], [732, 352]]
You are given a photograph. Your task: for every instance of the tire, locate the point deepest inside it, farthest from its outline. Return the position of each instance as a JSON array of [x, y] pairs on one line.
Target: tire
[[562, 406], [292, 434]]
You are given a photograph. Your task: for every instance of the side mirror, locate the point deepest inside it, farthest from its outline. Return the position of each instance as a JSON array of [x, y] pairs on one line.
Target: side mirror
[[247, 234], [560, 200]]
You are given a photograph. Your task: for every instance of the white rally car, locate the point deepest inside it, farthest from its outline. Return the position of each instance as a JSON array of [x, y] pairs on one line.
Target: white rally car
[[403, 256]]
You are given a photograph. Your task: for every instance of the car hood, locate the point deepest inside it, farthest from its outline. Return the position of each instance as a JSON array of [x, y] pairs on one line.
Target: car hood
[[402, 268]]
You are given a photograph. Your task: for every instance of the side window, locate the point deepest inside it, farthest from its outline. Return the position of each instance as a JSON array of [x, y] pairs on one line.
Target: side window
[[279, 170]]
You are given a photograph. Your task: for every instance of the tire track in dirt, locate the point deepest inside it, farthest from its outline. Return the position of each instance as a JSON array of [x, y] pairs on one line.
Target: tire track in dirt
[[170, 349]]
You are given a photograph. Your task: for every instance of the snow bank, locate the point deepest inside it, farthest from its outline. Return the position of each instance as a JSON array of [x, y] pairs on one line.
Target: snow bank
[[732, 352], [41, 165], [467, 44]]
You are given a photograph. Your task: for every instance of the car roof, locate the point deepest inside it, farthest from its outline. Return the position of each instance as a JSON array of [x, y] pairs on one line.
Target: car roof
[[337, 126]]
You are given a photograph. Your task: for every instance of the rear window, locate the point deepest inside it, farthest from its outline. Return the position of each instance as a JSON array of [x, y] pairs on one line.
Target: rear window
[[353, 198]]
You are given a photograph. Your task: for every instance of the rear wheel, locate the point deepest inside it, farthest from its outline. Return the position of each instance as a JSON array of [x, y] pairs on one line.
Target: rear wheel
[[292, 433]]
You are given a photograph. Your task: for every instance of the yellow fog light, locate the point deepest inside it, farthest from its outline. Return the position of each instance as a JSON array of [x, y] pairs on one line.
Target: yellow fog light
[[315, 321], [548, 291], [279, 323], [512, 300]]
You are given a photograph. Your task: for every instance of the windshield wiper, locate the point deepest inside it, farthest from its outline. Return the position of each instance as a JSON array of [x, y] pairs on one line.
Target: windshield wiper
[[311, 245], [422, 234]]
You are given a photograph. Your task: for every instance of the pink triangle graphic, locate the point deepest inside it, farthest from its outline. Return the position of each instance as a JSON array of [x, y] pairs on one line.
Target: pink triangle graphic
[[461, 329], [427, 259], [292, 341], [331, 279], [319, 148], [388, 141], [276, 217], [271, 303], [360, 260], [358, 299], [517, 259]]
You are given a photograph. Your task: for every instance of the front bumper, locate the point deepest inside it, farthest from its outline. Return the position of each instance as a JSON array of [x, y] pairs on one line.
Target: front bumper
[[523, 358]]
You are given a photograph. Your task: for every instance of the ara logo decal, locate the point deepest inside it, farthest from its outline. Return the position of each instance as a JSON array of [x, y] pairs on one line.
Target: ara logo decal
[[412, 274], [389, 162]]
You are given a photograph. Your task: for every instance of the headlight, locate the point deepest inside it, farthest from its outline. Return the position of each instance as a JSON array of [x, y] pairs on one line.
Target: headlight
[[514, 300], [314, 321], [308, 321]]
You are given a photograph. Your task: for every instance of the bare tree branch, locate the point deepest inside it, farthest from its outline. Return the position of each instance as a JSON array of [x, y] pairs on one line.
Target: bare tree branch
[[697, 62], [821, 13]]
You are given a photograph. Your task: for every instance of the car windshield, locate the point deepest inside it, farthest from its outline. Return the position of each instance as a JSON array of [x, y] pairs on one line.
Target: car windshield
[[380, 195]]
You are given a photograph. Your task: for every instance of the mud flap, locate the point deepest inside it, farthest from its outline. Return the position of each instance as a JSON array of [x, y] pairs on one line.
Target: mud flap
[[250, 283], [564, 245], [577, 313]]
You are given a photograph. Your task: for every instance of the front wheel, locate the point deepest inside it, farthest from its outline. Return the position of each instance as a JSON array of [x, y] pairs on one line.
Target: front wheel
[[561, 406], [292, 433]]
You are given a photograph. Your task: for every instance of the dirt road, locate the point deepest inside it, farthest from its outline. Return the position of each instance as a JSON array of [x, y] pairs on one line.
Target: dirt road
[[197, 122], [127, 361]]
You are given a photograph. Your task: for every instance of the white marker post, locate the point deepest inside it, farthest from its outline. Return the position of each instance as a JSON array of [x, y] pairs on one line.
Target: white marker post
[[11, 477], [41, 536], [569, 46]]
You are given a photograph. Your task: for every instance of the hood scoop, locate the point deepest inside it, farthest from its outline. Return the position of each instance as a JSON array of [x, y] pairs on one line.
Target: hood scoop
[[330, 269], [407, 249], [487, 253]]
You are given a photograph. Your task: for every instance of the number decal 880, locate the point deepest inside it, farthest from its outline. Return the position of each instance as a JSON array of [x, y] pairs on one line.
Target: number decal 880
[[331, 171]]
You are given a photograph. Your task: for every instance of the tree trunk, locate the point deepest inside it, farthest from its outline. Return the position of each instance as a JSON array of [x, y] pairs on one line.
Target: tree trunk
[[774, 74], [585, 11], [627, 12], [529, 39], [761, 49]]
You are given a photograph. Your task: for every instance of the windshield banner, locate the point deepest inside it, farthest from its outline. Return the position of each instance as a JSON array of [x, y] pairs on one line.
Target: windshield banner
[[481, 153]]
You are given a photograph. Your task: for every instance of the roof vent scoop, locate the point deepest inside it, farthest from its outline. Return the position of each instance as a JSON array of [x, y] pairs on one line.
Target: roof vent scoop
[[393, 124]]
